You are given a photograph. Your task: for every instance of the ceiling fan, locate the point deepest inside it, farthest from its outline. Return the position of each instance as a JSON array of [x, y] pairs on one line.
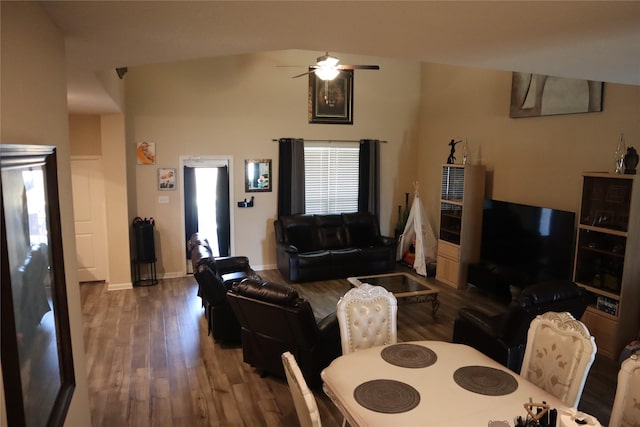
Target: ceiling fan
[[328, 67]]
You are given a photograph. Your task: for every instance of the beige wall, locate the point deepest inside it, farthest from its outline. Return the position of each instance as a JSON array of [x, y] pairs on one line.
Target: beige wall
[[223, 107], [34, 111], [535, 161], [235, 106], [115, 186], [84, 135]]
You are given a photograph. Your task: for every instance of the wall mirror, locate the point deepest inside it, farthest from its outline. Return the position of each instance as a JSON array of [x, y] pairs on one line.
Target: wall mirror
[[257, 175], [37, 360]]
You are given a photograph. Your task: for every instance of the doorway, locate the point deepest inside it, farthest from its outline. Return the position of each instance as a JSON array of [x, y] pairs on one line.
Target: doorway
[[89, 201], [206, 201]]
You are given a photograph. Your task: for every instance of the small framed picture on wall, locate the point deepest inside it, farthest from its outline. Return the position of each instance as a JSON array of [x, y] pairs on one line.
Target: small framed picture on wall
[[166, 179], [146, 153]]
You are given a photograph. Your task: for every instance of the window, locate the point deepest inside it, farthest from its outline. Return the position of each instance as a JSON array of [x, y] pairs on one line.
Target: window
[[331, 177]]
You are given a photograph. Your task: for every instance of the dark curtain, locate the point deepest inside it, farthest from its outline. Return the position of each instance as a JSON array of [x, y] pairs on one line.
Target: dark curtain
[[369, 177], [190, 205], [291, 179], [223, 218]]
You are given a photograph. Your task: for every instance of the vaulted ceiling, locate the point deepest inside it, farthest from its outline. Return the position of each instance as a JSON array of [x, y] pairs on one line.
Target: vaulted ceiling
[[597, 40]]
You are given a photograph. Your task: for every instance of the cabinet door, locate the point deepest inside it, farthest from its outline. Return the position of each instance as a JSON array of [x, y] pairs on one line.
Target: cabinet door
[[450, 222], [604, 330], [448, 271]]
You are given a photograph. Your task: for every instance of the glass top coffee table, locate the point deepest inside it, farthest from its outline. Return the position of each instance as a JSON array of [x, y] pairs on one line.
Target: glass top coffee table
[[407, 288]]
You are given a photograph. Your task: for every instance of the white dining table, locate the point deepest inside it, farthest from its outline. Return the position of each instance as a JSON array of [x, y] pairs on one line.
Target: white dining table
[[459, 387]]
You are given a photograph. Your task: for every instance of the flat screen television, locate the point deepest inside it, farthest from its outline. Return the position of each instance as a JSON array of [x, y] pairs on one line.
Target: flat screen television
[[522, 245]]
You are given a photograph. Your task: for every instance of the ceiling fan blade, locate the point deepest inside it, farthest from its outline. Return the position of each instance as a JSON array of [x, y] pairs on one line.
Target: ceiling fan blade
[[359, 67], [303, 74]]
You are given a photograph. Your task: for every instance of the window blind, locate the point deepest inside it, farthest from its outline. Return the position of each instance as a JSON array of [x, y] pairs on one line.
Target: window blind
[[331, 177]]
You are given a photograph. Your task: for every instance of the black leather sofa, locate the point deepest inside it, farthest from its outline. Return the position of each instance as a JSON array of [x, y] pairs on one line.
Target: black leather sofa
[[274, 319], [320, 247], [215, 276], [503, 337]]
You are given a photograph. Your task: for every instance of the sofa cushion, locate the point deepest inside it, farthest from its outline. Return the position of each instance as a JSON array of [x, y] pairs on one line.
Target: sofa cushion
[[310, 259], [299, 231], [330, 231], [349, 255], [361, 228]]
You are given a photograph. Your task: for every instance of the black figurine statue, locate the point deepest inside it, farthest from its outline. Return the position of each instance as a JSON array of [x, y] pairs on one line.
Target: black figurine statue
[[630, 161], [452, 159]]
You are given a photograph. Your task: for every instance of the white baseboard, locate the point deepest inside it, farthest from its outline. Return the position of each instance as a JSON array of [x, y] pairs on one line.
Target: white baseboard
[[119, 286], [173, 275], [264, 267]]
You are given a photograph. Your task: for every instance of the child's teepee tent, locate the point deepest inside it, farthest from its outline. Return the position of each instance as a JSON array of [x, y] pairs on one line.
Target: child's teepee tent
[[418, 232]]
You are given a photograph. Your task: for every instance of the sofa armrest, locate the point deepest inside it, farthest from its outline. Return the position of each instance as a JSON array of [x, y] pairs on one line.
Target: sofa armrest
[[480, 320], [329, 333], [482, 332], [287, 248], [329, 321], [211, 286], [385, 241]]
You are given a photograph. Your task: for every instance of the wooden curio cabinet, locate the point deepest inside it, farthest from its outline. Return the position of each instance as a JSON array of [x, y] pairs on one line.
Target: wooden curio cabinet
[[607, 259], [461, 198]]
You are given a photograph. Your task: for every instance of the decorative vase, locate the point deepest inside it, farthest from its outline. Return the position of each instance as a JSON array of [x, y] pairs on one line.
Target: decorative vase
[[630, 161], [620, 154]]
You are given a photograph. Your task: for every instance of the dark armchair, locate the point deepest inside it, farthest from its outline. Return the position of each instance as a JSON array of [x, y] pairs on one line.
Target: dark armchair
[[215, 276], [503, 337], [274, 319]]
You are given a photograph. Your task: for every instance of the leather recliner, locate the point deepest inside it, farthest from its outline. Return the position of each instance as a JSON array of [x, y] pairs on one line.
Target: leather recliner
[[275, 319], [503, 337], [215, 276]]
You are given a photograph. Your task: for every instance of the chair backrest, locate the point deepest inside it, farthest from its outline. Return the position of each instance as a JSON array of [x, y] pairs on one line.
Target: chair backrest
[[626, 406], [275, 319], [367, 316], [558, 355], [303, 399]]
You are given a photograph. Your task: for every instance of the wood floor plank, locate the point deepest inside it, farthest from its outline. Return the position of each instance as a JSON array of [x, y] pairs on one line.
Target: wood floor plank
[[150, 361]]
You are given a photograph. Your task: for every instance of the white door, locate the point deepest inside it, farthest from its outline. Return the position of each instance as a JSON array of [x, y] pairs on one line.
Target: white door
[[89, 210]]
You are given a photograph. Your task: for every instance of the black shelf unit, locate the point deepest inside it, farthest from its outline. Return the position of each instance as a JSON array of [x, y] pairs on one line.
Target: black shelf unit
[[145, 255]]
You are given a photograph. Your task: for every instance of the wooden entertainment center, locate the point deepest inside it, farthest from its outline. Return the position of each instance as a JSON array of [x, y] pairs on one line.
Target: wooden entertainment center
[[606, 258]]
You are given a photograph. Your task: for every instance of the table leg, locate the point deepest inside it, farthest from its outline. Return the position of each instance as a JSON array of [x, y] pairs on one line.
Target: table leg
[[435, 305]]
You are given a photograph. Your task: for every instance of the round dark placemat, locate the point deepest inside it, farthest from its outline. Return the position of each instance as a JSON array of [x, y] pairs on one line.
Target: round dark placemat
[[409, 355], [387, 396], [485, 380]]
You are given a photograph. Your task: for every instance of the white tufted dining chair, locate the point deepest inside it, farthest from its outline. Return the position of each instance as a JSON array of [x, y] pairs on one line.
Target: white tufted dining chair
[[367, 316], [303, 398], [626, 406], [559, 353]]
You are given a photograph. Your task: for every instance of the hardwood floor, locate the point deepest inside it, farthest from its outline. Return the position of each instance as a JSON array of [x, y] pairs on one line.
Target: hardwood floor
[[151, 363]]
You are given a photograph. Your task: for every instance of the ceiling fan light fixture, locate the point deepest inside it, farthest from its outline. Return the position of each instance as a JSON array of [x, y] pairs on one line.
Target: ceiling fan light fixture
[[327, 73], [327, 61]]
